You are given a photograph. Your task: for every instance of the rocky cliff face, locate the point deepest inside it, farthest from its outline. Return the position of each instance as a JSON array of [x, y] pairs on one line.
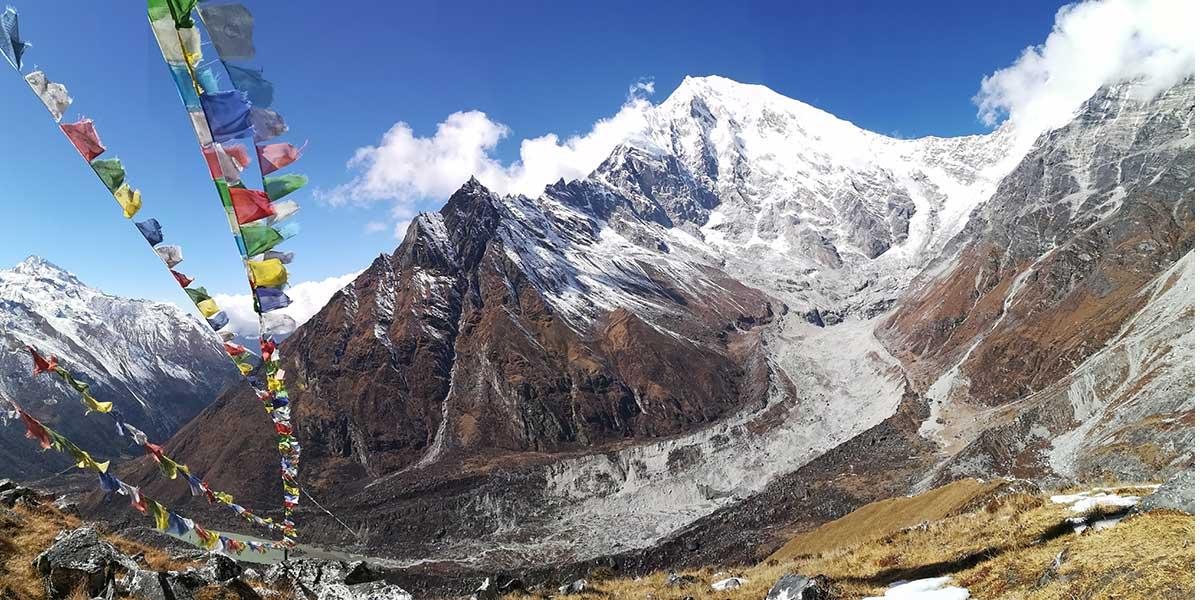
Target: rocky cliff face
[[158, 365], [748, 292], [1067, 302]]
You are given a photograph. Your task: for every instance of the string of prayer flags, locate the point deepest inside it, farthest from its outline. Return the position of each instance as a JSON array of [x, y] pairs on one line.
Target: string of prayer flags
[[273, 157], [11, 45], [168, 467], [254, 216], [83, 136], [226, 161], [53, 95], [279, 186], [231, 29]]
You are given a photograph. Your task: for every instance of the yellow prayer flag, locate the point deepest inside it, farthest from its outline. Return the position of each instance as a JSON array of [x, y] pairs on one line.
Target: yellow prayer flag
[[93, 404], [208, 307], [129, 199], [245, 368], [268, 273]]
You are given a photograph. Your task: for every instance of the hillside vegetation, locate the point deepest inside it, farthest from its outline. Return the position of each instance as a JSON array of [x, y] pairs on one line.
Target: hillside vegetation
[[989, 538]]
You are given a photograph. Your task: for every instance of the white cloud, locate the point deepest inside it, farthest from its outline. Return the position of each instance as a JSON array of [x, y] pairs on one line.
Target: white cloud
[[405, 169], [1093, 43], [375, 227], [641, 88], [308, 298]]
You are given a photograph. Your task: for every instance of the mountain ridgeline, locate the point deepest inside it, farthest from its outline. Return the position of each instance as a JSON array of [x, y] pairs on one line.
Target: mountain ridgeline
[[158, 365], [752, 315]]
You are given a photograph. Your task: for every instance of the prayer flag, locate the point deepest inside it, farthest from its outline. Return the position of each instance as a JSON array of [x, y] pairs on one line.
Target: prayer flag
[[34, 430], [259, 239], [176, 525], [11, 45], [182, 279], [203, 133], [197, 294], [267, 273], [272, 157], [158, 513], [279, 186], [179, 11], [151, 230], [129, 199], [218, 320], [53, 95], [208, 307], [111, 172], [228, 114], [172, 255], [108, 483], [227, 161], [40, 364], [267, 123], [270, 299], [283, 257], [250, 205], [83, 136], [231, 29], [284, 210], [259, 91]]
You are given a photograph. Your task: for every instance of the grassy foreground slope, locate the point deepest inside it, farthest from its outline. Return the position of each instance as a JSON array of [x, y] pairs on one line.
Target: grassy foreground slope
[[988, 537]]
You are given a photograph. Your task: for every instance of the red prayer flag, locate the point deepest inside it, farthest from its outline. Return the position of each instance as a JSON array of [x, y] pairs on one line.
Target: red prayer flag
[[235, 152], [283, 429], [234, 349], [154, 449], [40, 364], [250, 205], [182, 279], [137, 500], [34, 430], [268, 348], [273, 157], [82, 134]]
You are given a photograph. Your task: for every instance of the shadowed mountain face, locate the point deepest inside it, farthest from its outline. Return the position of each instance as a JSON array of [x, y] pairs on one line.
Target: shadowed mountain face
[[156, 364], [751, 315]]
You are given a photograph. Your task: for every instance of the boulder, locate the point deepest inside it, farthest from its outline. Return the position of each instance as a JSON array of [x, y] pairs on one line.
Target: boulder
[[66, 506], [80, 559], [1178, 493], [799, 587], [374, 590], [222, 568], [7, 484], [15, 494], [728, 583], [575, 587], [144, 585], [679, 581]]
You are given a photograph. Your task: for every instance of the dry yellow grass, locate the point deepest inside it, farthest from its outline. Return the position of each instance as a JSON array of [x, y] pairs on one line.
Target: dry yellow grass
[[886, 516], [28, 531], [1000, 550]]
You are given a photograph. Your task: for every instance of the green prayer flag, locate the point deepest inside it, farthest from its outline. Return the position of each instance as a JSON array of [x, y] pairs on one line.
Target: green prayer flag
[[197, 295], [158, 513], [279, 186], [110, 171], [259, 239], [180, 11]]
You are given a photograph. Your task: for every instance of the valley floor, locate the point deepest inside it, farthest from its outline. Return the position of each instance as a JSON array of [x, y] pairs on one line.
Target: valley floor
[[1004, 544]]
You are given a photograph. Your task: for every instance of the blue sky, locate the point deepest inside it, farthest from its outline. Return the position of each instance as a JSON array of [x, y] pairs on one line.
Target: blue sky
[[345, 72]]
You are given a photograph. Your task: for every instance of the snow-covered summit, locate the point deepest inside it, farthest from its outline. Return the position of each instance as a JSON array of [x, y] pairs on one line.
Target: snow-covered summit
[[159, 364]]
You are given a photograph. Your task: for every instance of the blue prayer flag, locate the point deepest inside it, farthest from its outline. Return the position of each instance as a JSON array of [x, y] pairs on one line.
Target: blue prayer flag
[[151, 230], [228, 114]]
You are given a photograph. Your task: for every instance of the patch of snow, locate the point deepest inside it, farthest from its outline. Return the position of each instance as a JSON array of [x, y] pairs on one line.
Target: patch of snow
[[936, 588]]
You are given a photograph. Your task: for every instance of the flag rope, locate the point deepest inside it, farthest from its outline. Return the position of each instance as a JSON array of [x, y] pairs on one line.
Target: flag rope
[[164, 519], [217, 117]]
